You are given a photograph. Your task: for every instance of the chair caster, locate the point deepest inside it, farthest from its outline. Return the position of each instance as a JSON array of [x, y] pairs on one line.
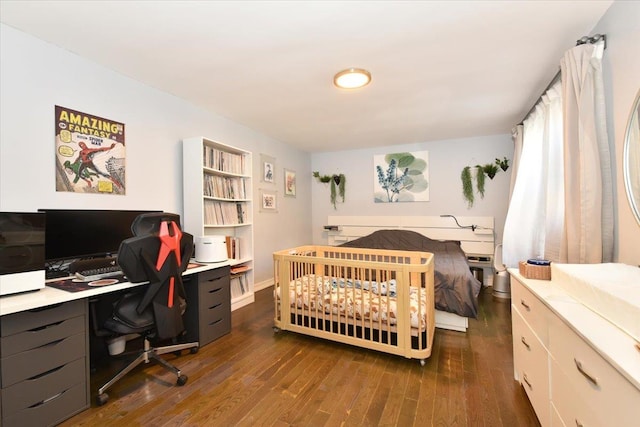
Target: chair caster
[[194, 350], [182, 380], [423, 362], [276, 329], [101, 399]]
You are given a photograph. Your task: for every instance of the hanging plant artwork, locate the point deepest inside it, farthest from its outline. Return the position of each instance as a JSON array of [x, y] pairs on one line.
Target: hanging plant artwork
[[481, 171], [401, 177], [337, 184], [467, 185]]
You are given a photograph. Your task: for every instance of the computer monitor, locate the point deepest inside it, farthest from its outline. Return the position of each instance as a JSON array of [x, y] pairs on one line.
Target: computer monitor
[[82, 234], [22, 262]]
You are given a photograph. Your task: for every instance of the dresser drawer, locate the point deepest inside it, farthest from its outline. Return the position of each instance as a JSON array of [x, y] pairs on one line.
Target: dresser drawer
[[531, 367], [570, 408], [50, 412], [602, 390], [531, 308], [214, 293], [214, 329], [38, 337], [31, 363], [556, 421], [34, 319], [36, 390], [212, 275]]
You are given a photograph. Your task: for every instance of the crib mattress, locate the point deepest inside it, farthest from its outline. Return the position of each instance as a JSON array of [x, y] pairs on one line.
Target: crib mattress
[[362, 300]]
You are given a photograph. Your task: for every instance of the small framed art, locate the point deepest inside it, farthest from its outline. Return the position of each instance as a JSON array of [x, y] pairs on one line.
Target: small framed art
[[268, 201], [268, 169], [289, 183]]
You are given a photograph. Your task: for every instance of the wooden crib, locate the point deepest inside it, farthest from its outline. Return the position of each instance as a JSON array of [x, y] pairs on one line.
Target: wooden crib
[[377, 299]]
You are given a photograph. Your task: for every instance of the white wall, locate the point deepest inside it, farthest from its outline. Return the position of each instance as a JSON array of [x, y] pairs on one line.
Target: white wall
[[35, 76], [621, 70], [446, 161]]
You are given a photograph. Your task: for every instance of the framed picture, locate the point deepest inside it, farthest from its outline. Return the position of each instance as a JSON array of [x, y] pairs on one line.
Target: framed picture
[[268, 201], [268, 169], [289, 183], [401, 177]]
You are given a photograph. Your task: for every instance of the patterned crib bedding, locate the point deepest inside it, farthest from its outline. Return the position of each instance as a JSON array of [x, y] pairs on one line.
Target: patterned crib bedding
[[364, 300]]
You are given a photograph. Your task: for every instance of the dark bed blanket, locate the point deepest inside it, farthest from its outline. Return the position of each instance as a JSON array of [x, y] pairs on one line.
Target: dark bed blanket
[[456, 290]]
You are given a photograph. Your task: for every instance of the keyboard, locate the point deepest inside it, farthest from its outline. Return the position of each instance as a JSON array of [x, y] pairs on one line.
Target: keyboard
[[99, 273]]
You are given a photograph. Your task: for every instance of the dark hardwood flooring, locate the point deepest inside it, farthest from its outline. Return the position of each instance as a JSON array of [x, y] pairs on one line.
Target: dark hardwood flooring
[[255, 377]]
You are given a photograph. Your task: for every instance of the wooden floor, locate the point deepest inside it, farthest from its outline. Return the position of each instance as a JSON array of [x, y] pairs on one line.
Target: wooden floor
[[255, 377]]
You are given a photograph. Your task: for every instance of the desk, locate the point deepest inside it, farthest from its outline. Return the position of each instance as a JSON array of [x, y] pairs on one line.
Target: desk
[[44, 343]]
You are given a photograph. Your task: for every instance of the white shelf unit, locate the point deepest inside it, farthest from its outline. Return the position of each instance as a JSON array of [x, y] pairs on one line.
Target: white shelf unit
[[217, 201]]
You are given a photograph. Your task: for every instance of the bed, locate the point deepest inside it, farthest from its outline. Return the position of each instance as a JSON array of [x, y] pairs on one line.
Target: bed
[[455, 244], [376, 299]]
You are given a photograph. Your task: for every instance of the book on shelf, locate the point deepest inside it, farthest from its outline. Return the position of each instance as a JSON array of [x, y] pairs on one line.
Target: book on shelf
[[239, 269], [238, 286], [233, 247], [224, 213], [224, 187], [223, 160]]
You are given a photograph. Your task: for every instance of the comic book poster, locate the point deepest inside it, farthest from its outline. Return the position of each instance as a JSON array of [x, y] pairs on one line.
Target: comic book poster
[[90, 153]]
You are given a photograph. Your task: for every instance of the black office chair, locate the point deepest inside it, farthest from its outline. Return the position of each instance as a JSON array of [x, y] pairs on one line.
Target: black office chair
[[158, 253]]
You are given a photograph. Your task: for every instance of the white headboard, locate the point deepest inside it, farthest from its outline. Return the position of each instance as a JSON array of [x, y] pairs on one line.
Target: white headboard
[[478, 243]]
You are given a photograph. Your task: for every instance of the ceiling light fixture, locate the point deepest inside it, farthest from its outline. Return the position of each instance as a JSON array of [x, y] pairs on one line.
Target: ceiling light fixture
[[352, 78]]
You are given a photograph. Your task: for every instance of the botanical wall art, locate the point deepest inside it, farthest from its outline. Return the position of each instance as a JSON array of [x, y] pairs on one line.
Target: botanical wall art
[[269, 201], [268, 169], [289, 183], [401, 177]]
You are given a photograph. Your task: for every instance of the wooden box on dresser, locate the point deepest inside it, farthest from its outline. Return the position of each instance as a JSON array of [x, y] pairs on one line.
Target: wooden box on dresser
[[44, 366], [217, 201], [577, 368]]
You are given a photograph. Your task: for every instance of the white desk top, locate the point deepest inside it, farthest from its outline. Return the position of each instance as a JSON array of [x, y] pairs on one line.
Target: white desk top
[[611, 342], [48, 295]]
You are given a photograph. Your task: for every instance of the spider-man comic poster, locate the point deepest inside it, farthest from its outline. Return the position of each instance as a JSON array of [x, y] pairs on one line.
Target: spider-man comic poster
[[90, 153]]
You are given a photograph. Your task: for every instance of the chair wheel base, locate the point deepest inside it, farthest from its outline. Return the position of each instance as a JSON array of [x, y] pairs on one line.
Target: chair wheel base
[[101, 399], [194, 350], [182, 380]]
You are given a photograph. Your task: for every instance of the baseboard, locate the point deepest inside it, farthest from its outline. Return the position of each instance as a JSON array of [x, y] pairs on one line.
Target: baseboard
[[258, 286]]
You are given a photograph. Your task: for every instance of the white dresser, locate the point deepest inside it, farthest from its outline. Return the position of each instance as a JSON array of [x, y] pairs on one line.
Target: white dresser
[[577, 368]]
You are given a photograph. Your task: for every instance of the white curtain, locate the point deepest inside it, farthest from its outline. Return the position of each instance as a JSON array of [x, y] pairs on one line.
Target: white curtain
[[535, 216], [516, 135], [588, 180], [561, 207]]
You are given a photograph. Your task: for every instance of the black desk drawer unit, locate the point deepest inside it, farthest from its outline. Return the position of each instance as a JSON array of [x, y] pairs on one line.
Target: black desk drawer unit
[[208, 315], [43, 365]]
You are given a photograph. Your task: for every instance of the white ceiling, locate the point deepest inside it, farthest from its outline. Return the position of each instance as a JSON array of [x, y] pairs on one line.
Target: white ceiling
[[441, 69]]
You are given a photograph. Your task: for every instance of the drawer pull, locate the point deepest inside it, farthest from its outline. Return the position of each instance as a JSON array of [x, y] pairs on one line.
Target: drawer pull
[[215, 306], [524, 341], [48, 399], [214, 322], [215, 290], [526, 380], [589, 377], [215, 279], [525, 305]]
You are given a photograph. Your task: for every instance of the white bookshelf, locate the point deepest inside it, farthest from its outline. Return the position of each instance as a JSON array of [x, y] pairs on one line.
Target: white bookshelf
[[217, 201]]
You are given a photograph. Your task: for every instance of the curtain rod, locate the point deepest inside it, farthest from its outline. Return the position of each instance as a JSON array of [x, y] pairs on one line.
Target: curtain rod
[[583, 40]]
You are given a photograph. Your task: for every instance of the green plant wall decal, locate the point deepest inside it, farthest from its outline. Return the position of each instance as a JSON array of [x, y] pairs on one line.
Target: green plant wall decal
[[481, 171], [401, 177], [337, 183], [467, 185]]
